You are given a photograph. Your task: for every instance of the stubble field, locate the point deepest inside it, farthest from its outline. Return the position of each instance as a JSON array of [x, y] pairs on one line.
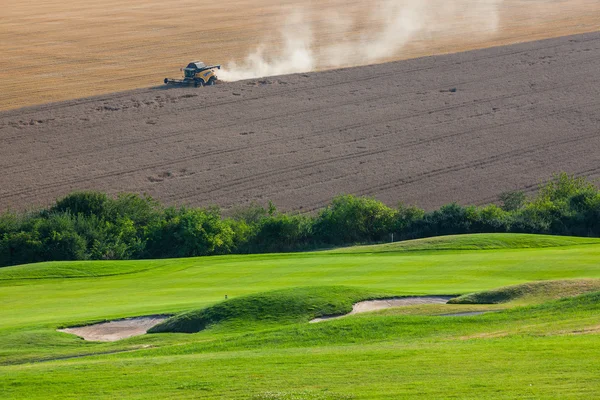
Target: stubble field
[[71, 49]]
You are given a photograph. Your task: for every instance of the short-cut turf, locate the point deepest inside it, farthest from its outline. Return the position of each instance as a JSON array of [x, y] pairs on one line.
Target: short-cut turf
[[547, 350], [532, 292], [477, 241], [279, 307]]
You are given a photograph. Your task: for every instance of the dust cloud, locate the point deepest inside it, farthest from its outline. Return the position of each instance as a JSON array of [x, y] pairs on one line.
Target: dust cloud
[[390, 25]]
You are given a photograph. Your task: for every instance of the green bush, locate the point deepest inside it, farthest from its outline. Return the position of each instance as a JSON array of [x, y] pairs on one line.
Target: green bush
[[141, 211], [20, 248], [512, 201], [188, 232], [586, 219], [450, 219], [9, 222], [86, 203], [91, 225], [406, 221], [59, 238], [350, 219], [281, 233]]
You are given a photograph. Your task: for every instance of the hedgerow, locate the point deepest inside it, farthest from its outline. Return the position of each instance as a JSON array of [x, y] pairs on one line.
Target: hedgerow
[[92, 225]]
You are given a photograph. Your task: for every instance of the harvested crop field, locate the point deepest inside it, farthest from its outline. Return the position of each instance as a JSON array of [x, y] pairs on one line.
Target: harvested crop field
[[74, 48], [462, 127]]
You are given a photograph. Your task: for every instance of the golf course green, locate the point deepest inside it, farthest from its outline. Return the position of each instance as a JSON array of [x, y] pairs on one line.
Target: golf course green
[[533, 333]]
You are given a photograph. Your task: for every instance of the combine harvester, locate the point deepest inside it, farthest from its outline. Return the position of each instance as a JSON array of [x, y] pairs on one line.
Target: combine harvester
[[196, 73]]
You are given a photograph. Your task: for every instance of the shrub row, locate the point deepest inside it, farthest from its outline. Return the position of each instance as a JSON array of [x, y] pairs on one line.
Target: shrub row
[[92, 225]]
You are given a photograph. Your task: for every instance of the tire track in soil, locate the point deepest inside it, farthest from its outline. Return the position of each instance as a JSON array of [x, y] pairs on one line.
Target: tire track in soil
[[410, 180], [318, 133], [320, 162], [418, 142], [277, 93], [478, 163], [264, 119], [245, 148], [564, 49], [441, 171]]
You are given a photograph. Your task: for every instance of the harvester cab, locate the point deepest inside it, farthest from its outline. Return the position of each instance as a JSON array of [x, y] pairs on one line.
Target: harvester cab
[[196, 73]]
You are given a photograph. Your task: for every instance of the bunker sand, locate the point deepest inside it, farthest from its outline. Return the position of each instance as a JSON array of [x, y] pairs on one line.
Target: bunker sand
[[374, 305], [115, 330], [394, 131]]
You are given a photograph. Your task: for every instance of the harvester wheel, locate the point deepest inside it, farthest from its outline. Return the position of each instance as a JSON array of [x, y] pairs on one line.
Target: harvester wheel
[[166, 80], [211, 82], [198, 83]]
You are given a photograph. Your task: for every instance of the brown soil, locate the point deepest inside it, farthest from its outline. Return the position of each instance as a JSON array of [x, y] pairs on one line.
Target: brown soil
[[58, 50], [374, 305], [395, 131], [116, 330]]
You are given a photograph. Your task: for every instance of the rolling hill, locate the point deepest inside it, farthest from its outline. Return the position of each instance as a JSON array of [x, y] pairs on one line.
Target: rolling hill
[[257, 344]]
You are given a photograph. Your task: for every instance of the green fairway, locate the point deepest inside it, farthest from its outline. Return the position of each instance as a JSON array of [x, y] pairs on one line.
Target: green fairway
[[258, 344]]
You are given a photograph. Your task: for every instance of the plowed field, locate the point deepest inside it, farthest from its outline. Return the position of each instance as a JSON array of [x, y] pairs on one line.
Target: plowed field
[[58, 50], [461, 127]]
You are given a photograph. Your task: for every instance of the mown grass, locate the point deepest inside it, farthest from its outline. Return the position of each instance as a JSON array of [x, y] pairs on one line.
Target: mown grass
[[480, 241], [564, 316], [259, 345], [533, 292], [279, 307], [516, 353], [507, 368], [77, 269]]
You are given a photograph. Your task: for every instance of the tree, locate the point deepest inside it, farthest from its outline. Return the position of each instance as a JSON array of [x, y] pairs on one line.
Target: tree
[[281, 233], [512, 201], [450, 219], [86, 203], [59, 238], [350, 219], [188, 232], [564, 186], [20, 248], [406, 220]]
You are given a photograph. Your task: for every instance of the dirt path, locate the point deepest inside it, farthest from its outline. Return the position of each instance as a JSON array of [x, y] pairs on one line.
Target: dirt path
[[374, 305], [115, 330], [395, 131]]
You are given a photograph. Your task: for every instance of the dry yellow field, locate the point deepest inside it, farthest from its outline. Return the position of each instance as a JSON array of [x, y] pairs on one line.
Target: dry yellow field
[[55, 50]]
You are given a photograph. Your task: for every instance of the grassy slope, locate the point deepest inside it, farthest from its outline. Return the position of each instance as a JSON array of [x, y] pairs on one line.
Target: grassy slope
[[186, 284], [533, 292], [534, 352], [76, 269], [275, 308], [474, 242], [365, 356]]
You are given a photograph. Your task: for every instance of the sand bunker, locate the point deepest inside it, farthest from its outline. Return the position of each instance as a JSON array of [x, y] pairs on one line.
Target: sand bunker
[[116, 330], [374, 305]]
